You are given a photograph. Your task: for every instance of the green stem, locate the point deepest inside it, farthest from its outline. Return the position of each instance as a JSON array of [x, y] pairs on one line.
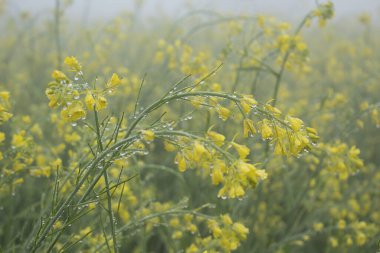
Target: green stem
[[106, 180], [91, 165]]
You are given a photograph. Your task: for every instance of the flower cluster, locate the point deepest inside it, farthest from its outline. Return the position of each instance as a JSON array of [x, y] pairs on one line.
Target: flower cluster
[[324, 12], [68, 94], [226, 236]]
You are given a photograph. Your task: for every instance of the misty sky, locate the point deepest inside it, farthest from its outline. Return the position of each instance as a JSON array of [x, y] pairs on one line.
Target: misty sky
[[292, 9]]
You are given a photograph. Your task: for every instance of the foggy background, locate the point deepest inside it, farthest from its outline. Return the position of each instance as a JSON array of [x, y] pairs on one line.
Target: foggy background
[[292, 10]]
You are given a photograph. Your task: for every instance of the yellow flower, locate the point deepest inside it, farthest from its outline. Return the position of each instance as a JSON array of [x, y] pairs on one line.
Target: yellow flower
[[18, 166], [261, 21], [2, 137], [312, 133], [215, 229], [334, 242], [247, 103], [101, 103], [180, 159], [265, 129], [98, 101], [222, 192], [18, 140], [301, 46], [72, 138], [248, 128], [148, 135], [73, 63], [199, 151], [169, 146], [349, 241], [240, 229], [42, 171], [359, 124], [90, 101], [4, 95], [365, 19], [124, 215], [272, 109], [36, 129], [159, 57], [280, 148], [284, 26], [177, 235], [226, 219], [26, 119], [249, 172], [236, 191], [229, 243], [192, 249], [114, 81], [73, 112], [324, 12], [242, 150], [57, 163], [216, 87], [217, 176], [59, 76], [283, 42], [295, 123], [4, 116], [341, 224], [223, 112], [192, 228], [217, 138], [360, 238], [174, 222]]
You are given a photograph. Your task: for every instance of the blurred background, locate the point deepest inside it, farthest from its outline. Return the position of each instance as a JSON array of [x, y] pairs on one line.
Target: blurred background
[[289, 9]]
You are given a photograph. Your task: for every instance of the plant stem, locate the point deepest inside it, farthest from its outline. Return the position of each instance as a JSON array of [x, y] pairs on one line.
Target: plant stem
[[106, 180], [91, 165]]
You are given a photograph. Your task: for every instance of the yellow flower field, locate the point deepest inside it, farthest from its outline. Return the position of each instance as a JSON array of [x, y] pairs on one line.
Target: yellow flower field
[[206, 133]]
